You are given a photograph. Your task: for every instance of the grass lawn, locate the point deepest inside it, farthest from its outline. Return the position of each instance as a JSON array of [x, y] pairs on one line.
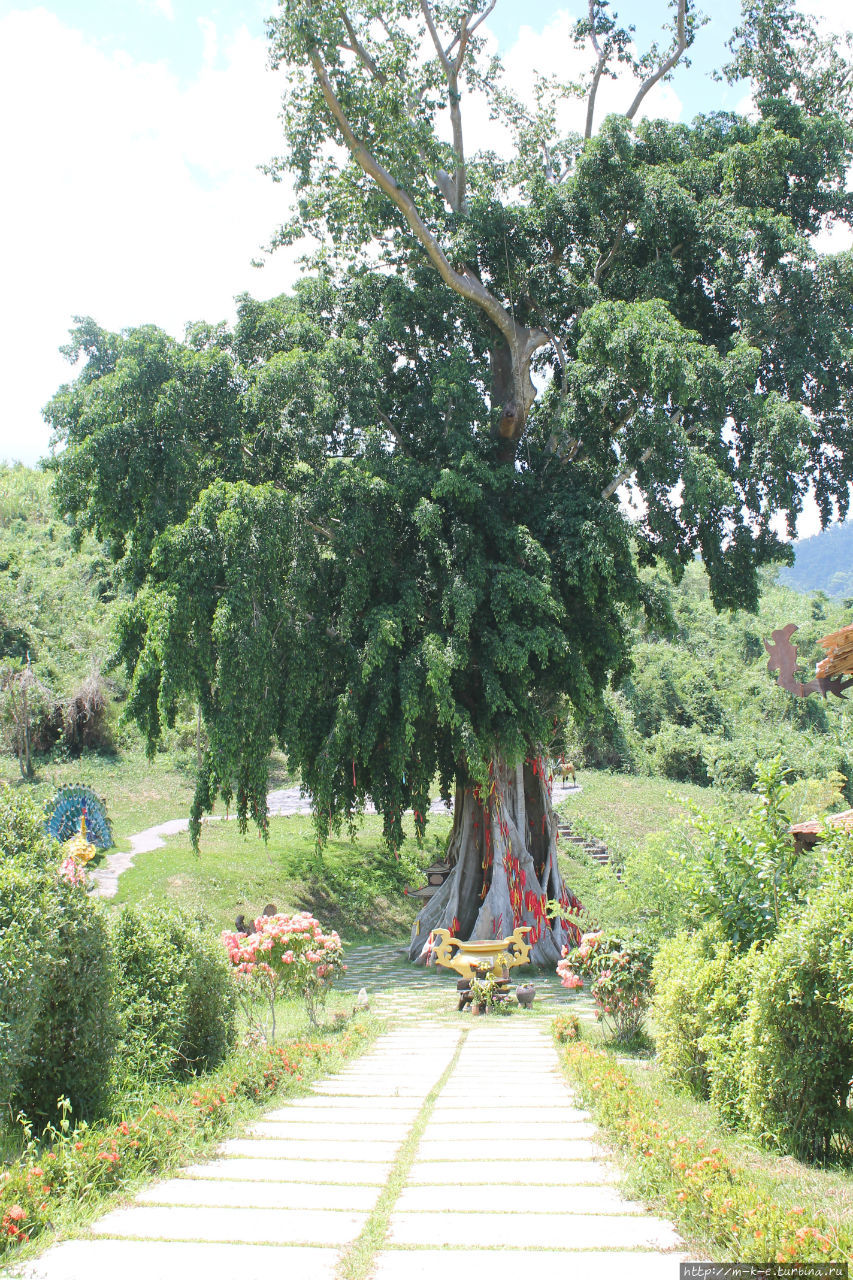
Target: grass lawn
[[139, 792], [355, 886], [622, 809]]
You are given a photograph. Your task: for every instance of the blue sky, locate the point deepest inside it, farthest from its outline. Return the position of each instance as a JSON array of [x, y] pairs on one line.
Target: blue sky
[[130, 158]]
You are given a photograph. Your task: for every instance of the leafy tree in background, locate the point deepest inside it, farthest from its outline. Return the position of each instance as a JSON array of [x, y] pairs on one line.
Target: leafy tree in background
[[379, 522]]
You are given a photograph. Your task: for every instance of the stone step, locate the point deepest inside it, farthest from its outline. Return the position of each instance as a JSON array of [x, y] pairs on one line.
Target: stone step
[[463, 1264], [568, 1232]]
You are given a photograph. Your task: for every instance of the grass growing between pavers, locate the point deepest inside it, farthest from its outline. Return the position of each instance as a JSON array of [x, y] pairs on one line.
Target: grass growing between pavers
[[55, 1189], [729, 1198], [357, 1260]]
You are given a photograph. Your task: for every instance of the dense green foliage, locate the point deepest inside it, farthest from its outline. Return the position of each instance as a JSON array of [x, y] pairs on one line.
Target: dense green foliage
[[753, 1009], [798, 1035], [699, 704], [824, 562], [352, 526], [57, 1029], [174, 995], [55, 593]]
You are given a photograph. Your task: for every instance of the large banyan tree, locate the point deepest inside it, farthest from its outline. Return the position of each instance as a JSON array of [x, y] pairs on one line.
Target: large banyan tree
[[382, 522]]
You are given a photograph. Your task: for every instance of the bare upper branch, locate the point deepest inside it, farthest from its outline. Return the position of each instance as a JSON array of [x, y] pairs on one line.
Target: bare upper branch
[[682, 41], [522, 341], [601, 56], [609, 490], [453, 188], [359, 50]]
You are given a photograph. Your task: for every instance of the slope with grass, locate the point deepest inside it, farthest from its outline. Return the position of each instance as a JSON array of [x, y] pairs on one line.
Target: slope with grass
[[355, 886]]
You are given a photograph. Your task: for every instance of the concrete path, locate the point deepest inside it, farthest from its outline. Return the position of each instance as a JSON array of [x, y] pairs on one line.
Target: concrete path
[[450, 1150]]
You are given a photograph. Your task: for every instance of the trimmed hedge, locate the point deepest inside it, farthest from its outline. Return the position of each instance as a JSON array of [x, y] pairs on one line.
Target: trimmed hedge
[[767, 1034], [798, 1034], [57, 1025], [702, 985], [174, 994]]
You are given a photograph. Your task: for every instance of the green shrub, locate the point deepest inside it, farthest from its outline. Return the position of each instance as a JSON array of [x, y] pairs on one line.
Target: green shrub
[[799, 1026], [747, 877], [57, 1031], [682, 753], [702, 986], [22, 833], [735, 767], [724, 1041], [174, 993], [685, 974]]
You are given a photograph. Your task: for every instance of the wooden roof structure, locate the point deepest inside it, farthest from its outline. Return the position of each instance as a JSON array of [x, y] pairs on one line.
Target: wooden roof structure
[[839, 654], [807, 834]]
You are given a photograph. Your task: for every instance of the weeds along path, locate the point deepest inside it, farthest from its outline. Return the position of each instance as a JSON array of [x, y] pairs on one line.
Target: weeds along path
[[454, 1148]]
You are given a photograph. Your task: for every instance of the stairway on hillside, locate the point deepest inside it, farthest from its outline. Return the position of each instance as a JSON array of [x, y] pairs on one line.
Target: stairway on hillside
[[596, 849]]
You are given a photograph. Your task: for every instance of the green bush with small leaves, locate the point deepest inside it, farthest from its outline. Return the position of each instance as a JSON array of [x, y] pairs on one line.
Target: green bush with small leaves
[[174, 993], [57, 1031], [799, 1026], [685, 973]]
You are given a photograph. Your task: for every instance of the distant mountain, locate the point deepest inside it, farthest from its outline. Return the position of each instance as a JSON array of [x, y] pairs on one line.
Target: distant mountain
[[824, 563]]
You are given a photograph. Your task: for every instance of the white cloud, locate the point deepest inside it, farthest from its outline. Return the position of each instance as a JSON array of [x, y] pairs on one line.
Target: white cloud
[[129, 197]]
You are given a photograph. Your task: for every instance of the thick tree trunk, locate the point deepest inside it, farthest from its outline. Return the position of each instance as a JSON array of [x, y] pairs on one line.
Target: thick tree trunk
[[503, 850]]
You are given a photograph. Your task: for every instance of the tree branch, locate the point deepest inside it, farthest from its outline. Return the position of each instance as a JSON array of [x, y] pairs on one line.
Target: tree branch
[[474, 25], [601, 55], [610, 489], [590, 105], [522, 342], [604, 262], [359, 50], [401, 441], [666, 66], [453, 189]]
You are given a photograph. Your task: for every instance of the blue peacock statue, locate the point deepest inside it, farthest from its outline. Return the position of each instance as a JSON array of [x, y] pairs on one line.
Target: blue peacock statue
[[67, 808]]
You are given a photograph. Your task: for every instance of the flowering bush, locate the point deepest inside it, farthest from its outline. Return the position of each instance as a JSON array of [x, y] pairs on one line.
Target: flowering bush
[[566, 1028], [619, 974], [72, 872], [712, 1199], [286, 955], [81, 1165]]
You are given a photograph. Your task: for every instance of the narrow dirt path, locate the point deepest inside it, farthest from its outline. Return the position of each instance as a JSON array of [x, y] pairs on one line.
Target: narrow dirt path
[[451, 1150]]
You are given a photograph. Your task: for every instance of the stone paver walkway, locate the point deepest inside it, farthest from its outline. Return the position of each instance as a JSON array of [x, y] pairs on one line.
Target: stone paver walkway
[[507, 1166]]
